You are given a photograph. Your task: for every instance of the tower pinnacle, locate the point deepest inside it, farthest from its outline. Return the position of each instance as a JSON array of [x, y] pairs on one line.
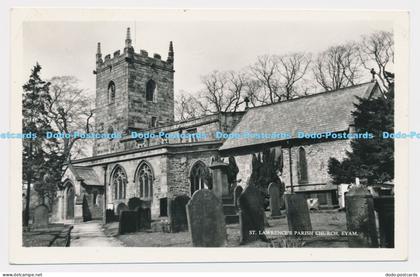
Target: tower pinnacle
[[128, 39], [98, 54], [171, 53]]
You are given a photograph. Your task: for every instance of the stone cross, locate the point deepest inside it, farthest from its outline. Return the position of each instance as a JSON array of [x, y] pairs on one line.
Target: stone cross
[[206, 221]]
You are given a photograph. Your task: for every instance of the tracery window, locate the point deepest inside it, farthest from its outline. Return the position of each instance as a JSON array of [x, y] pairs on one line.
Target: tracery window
[[145, 180], [302, 166], [119, 183], [199, 177]]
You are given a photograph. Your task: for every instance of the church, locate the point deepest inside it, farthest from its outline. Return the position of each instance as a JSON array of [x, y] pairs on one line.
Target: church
[[135, 93]]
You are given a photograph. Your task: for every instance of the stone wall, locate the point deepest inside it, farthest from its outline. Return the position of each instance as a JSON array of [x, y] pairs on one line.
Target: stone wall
[[317, 156], [179, 171], [111, 116], [140, 71], [171, 168], [130, 74], [158, 166]]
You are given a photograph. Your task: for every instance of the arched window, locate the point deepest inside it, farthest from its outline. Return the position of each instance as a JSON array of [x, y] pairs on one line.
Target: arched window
[[150, 90], [302, 166], [119, 183], [111, 92], [199, 177], [145, 181]]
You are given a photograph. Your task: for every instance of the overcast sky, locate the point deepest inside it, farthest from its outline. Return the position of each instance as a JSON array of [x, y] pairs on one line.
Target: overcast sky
[[68, 48]]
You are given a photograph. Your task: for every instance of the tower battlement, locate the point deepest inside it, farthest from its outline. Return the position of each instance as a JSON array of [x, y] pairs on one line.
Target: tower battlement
[[129, 55], [134, 91]]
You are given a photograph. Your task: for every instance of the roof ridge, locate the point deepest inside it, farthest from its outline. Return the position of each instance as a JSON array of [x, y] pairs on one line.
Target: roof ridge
[[312, 95]]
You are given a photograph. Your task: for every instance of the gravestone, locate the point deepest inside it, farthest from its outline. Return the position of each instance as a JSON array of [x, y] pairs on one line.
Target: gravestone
[[384, 205], [40, 219], [87, 214], [128, 222], [177, 213], [275, 205], [120, 208], [144, 218], [236, 193], [206, 221], [360, 217], [297, 212], [109, 215], [133, 203], [251, 215]]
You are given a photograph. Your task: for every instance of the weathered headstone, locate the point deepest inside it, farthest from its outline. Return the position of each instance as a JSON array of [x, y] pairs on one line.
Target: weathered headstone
[[360, 217], [384, 205], [133, 203], [120, 208], [206, 221], [40, 219], [144, 218], [236, 193], [109, 215], [274, 192], [251, 215], [128, 222], [87, 214], [177, 213], [297, 212]]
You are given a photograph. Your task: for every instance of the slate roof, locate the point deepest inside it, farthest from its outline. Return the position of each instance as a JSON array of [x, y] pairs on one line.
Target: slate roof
[[318, 113], [85, 174]]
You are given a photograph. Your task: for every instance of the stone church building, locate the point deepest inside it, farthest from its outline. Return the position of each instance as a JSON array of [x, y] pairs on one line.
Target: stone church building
[[135, 93]]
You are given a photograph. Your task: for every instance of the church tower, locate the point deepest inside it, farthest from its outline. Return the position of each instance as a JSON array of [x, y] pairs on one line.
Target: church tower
[[133, 92]]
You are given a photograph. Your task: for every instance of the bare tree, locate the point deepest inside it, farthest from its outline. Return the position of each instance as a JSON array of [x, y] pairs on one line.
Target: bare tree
[[377, 52], [187, 107], [266, 71], [293, 69], [252, 88], [279, 77], [223, 92], [338, 67], [70, 110]]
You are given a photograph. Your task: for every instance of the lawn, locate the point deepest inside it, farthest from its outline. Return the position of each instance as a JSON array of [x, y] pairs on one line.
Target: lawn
[[321, 221]]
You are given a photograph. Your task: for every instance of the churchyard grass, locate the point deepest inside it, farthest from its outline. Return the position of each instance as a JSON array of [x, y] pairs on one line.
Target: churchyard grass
[[321, 220]]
